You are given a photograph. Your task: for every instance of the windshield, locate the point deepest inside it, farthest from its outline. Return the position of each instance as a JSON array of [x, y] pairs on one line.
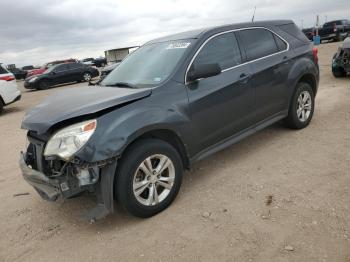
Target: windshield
[[50, 68], [149, 65]]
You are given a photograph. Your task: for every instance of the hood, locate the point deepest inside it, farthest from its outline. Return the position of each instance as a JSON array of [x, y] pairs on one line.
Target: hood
[[78, 102]]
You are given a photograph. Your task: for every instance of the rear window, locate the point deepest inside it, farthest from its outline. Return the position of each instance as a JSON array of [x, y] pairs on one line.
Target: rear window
[[258, 43], [280, 43], [331, 24], [3, 70], [75, 66], [294, 31]]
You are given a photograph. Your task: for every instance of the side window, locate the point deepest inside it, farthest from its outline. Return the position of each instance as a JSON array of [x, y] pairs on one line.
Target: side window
[[61, 67], [74, 66], [3, 70], [280, 43], [222, 49], [258, 43]]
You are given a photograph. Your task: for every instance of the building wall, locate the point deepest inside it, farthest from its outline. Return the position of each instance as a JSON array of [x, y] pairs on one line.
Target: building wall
[[116, 54]]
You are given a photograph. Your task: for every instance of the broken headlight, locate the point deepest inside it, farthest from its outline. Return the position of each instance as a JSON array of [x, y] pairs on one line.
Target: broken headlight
[[66, 142]]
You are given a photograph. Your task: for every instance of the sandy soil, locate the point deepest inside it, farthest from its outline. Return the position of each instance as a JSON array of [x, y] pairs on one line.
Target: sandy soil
[[220, 213]]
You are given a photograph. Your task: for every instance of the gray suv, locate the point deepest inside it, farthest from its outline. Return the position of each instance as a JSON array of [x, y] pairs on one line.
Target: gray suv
[[172, 102]]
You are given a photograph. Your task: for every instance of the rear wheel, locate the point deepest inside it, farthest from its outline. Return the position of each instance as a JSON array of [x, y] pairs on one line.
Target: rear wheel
[[148, 177], [338, 72], [301, 108], [44, 84], [87, 76]]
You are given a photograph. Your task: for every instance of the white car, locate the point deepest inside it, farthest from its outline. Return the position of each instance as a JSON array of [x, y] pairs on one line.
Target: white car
[[9, 92]]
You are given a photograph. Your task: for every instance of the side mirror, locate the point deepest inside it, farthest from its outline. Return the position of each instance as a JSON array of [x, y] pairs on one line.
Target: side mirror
[[53, 73], [203, 71]]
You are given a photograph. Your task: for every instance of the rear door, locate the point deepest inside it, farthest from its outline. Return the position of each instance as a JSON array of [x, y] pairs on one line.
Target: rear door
[[268, 57], [75, 72], [221, 105], [61, 74]]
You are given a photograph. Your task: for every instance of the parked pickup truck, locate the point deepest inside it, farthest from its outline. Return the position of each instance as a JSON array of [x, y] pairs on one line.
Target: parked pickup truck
[[336, 30]]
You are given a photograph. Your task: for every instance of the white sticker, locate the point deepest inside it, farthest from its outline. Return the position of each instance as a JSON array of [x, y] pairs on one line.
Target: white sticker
[[178, 45]]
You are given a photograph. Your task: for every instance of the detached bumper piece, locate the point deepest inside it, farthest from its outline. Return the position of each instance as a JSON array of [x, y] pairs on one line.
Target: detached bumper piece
[[46, 187]]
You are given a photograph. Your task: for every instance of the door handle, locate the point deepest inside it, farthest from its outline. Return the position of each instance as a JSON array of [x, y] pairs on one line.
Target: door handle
[[243, 75], [244, 78]]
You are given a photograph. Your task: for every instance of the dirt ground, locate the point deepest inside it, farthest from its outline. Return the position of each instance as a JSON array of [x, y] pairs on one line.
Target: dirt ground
[[220, 213]]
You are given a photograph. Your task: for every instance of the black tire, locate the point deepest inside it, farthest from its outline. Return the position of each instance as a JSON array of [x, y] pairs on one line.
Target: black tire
[[1, 105], [43, 84], [338, 72], [292, 120], [126, 170]]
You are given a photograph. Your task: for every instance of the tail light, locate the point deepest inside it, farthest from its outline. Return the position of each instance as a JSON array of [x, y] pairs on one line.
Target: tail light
[[315, 54], [7, 78]]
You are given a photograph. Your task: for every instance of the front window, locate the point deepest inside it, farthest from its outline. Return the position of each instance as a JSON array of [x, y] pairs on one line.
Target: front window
[[149, 65]]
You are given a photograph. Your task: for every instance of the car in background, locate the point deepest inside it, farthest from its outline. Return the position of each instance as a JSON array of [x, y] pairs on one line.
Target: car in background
[[309, 33], [61, 74], [18, 73], [98, 62], [336, 30], [106, 70], [42, 69], [341, 60], [9, 92], [28, 67], [88, 61]]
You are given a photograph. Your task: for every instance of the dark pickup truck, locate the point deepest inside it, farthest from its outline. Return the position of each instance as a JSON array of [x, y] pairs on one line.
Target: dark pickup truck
[[336, 30]]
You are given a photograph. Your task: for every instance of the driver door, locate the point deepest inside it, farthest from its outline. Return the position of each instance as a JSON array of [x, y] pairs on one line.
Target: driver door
[[223, 105]]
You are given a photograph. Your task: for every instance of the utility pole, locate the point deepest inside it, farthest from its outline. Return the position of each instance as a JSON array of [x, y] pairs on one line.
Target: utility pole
[[253, 14]]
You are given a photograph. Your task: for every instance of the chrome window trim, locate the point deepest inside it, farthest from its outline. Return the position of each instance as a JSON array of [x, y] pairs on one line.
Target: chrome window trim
[[235, 30]]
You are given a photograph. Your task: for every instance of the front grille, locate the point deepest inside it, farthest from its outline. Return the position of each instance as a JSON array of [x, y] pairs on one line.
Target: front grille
[[35, 153]]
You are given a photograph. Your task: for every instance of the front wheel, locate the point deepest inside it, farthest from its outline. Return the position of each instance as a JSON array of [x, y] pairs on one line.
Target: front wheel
[[44, 84], [148, 177], [301, 108]]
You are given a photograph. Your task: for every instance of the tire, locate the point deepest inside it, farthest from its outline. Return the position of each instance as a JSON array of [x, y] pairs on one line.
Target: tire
[[300, 113], [130, 176], [338, 72], [87, 77], [44, 84], [1, 105]]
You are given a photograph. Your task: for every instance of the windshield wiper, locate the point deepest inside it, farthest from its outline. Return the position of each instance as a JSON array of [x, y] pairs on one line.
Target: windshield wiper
[[122, 84]]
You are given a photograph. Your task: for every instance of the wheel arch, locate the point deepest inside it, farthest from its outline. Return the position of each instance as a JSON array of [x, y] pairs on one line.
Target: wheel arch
[[166, 135], [309, 79]]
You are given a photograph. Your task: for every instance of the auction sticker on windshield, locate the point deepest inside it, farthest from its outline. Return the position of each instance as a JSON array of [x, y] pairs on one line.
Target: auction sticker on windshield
[[178, 45]]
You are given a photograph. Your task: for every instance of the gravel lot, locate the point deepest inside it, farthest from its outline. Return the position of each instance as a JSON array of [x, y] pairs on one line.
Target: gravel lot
[[279, 195]]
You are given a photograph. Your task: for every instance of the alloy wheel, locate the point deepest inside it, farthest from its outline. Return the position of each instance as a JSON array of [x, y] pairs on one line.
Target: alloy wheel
[[304, 106], [153, 180], [87, 77]]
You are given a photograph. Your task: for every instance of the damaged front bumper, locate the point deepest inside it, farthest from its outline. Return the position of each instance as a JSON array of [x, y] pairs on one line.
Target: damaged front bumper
[[47, 188], [64, 186]]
